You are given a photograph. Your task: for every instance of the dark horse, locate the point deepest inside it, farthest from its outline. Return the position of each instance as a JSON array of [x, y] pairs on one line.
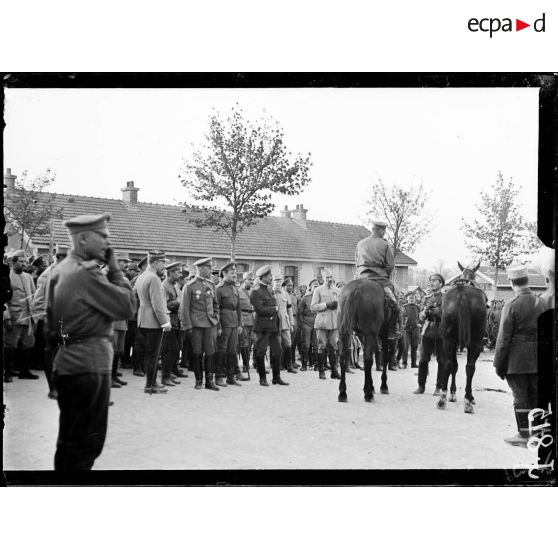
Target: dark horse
[[463, 325], [363, 309]]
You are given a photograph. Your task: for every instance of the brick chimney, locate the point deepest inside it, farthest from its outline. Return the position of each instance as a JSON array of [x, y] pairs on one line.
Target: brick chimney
[[299, 215], [285, 212], [130, 193], [9, 179]]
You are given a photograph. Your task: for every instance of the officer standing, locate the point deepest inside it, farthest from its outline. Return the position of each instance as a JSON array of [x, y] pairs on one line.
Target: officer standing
[[284, 307], [324, 302], [515, 358], [230, 325], [153, 317], [288, 286], [170, 346], [266, 326], [199, 313], [411, 312], [247, 311], [431, 334], [82, 305], [306, 320]]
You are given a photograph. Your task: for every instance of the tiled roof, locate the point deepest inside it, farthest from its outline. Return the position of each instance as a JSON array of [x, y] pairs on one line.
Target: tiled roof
[[535, 278], [143, 226]]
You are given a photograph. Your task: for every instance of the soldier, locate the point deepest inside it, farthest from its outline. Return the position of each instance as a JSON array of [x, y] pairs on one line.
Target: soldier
[[19, 336], [266, 326], [153, 317], [38, 310], [120, 328], [171, 343], [288, 287], [307, 319], [515, 358], [38, 266], [230, 325], [411, 329], [138, 347], [82, 305], [324, 303], [374, 259], [285, 321], [431, 334], [132, 272], [199, 313], [247, 311]]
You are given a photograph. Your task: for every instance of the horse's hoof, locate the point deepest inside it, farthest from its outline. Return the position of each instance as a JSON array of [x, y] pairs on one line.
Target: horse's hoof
[[368, 398], [342, 398], [468, 407], [453, 398], [384, 390], [441, 404]]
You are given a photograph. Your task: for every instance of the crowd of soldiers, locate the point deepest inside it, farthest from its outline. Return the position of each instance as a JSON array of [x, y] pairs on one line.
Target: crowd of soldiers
[[93, 312]]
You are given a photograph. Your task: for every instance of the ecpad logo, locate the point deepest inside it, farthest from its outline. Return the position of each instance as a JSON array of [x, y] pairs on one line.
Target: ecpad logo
[[493, 25]]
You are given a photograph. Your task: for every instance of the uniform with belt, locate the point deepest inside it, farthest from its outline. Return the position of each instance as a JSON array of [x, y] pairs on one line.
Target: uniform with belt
[[411, 331], [266, 326], [82, 305], [230, 320], [515, 357], [247, 312], [285, 312], [199, 313], [306, 320]]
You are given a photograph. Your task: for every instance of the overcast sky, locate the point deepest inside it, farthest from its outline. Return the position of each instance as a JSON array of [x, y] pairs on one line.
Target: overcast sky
[[454, 141]]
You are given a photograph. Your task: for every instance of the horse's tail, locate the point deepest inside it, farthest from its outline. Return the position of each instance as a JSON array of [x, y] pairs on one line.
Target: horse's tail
[[463, 321], [348, 312]]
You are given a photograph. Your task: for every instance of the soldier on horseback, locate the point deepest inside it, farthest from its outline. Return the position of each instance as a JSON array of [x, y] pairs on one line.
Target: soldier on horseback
[[375, 260]]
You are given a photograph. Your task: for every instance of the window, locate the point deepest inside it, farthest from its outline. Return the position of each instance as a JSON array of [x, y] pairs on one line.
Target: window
[[291, 272]]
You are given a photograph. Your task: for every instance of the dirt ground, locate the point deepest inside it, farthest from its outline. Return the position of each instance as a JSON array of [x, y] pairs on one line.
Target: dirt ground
[[298, 426]]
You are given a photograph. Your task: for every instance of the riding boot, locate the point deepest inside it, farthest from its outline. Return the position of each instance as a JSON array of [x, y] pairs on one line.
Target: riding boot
[[196, 362], [244, 353], [231, 375], [414, 358], [422, 375], [392, 348], [209, 368], [276, 370], [260, 367], [304, 355], [287, 358], [220, 373], [315, 356], [25, 373], [321, 367], [294, 364], [254, 359], [522, 436], [333, 364]]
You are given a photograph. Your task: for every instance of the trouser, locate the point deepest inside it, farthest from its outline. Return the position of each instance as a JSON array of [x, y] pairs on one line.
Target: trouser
[[152, 339], [170, 351], [308, 338], [186, 348], [245, 342], [226, 351], [83, 401], [413, 336], [138, 356], [327, 338], [48, 358], [402, 348], [265, 338], [429, 347], [118, 337], [203, 340], [129, 340], [524, 389], [38, 351]]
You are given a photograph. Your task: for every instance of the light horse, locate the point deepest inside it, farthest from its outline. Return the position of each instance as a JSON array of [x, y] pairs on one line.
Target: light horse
[[363, 309], [463, 325]]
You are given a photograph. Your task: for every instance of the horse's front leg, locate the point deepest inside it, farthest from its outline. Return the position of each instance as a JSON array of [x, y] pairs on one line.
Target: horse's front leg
[[387, 350], [472, 355], [344, 342], [369, 348]]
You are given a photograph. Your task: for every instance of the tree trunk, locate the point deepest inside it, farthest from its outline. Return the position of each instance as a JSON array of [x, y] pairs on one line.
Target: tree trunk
[[496, 278], [233, 246]]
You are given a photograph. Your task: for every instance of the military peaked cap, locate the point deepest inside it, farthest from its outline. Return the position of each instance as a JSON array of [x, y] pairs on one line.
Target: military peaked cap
[[173, 265], [84, 223], [264, 270], [203, 261], [156, 255], [517, 271], [227, 266], [379, 223], [123, 257], [439, 277]]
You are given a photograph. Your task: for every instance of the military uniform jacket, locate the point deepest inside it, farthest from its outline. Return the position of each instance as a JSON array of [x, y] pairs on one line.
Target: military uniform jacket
[[122, 325], [284, 306], [246, 308], [199, 306], [83, 303], [19, 307], [228, 301], [294, 305], [265, 306], [376, 254], [411, 315], [516, 345], [325, 317], [305, 315], [152, 313], [172, 300], [38, 308], [433, 309]]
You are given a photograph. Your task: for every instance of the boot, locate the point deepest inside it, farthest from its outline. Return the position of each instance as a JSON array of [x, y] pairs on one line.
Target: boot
[[392, 348], [196, 365], [260, 367], [9, 355], [321, 363], [276, 369], [414, 358], [231, 375], [333, 364], [254, 359], [304, 367], [209, 367], [288, 359], [294, 364], [245, 354], [522, 436], [315, 359], [422, 375], [220, 372], [25, 373]]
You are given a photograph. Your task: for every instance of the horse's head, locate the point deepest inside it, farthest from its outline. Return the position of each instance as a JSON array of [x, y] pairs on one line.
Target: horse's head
[[468, 274]]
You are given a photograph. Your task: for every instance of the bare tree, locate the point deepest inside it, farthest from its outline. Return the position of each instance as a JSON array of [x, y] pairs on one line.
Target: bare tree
[[237, 170], [31, 208]]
